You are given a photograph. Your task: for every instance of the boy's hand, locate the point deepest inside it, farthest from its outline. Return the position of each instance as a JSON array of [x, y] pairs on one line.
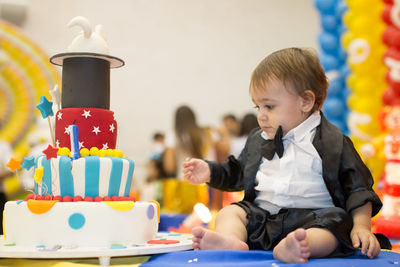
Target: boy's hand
[[361, 235], [196, 171]]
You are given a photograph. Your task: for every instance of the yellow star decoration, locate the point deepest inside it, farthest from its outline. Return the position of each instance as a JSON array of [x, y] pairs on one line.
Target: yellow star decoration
[[38, 174], [14, 164]]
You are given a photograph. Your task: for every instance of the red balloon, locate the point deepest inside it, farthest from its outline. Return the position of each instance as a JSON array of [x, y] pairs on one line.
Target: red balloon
[[386, 14], [391, 36]]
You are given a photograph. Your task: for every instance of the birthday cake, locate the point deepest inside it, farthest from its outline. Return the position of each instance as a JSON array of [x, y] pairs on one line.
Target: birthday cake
[[82, 182]]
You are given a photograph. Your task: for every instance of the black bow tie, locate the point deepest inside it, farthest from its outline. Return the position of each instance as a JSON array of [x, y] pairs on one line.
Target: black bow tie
[[272, 146]]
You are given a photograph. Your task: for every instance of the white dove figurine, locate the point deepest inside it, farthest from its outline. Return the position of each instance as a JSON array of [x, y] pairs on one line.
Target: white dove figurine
[[88, 40]]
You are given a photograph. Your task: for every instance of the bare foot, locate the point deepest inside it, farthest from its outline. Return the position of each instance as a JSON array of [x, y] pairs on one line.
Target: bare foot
[[293, 248], [208, 239]]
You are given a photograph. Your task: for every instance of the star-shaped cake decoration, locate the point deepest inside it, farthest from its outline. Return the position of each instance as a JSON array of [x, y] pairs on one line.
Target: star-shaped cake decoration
[[28, 163], [50, 152], [14, 164], [56, 95], [45, 107], [86, 114], [96, 130], [112, 127], [66, 130]]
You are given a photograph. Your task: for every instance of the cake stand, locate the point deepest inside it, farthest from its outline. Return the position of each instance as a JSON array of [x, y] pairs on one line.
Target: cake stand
[[163, 243]]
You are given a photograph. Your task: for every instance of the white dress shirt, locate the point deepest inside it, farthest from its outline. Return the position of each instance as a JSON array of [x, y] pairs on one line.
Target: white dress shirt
[[295, 180]]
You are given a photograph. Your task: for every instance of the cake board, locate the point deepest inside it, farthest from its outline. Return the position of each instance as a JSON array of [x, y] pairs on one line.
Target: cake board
[[164, 242]]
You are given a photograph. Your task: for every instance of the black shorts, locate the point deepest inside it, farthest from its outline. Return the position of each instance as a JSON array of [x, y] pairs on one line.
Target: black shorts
[[265, 230]]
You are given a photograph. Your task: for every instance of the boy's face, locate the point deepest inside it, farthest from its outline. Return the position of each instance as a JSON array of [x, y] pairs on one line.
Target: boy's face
[[278, 105]]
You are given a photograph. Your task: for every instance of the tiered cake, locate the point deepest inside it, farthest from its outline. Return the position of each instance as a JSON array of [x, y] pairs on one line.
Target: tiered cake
[[81, 196]]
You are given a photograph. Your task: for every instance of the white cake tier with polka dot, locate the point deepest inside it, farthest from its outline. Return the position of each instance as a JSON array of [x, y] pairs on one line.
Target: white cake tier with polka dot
[[83, 224]]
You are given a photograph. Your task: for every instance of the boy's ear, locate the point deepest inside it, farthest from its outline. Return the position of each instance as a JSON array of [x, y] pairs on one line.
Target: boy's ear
[[308, 102]]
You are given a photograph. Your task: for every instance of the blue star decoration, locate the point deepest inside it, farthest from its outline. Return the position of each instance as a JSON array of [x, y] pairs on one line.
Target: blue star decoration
[[45, 107], [28, 163]]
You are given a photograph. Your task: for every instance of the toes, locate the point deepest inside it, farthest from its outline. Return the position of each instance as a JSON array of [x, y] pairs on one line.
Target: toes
[[198, 232], [300, 234]]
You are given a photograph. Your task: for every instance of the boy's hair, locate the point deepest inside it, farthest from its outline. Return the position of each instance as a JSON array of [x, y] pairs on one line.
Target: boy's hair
[[298, 67]]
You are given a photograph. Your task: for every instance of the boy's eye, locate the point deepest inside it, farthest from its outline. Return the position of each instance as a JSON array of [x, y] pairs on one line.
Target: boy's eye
[[269, 106], [257, 107]]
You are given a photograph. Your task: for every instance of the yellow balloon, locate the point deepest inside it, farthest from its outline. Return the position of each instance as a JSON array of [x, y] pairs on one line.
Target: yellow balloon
[[346, 39]]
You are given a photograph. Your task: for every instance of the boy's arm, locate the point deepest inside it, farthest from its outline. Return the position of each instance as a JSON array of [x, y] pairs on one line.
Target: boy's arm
[[226, 176], [361, 234]]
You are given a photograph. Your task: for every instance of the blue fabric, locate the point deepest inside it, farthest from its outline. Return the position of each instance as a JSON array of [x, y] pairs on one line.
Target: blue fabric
[[255, 258]]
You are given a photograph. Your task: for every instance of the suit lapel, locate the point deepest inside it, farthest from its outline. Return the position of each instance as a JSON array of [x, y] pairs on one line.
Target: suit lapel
[[328, 141], [253, 162]]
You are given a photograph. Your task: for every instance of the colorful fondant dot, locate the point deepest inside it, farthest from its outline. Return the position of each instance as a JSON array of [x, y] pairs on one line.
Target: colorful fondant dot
[[109, 153], [94, 151], [76, 221], [64, 151], [19, 202], [120, 205], [117, 246], [165, 242], [102, 153], [9, 245], [85, 152], [40, 207], [150, 212]]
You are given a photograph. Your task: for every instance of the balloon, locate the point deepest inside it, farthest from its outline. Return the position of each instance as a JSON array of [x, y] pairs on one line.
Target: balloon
[[325, 6], [328, 42], [345, 71], [346, 38], [359, 50], [329, 22], [334, 107], [340, 9], [335, 87], [329, 62]]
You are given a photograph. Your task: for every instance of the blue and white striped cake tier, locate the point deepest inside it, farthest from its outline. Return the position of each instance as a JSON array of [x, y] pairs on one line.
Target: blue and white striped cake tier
[[87, 176]]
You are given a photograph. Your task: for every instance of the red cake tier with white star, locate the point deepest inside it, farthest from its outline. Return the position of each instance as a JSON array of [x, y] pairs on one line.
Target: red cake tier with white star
[[97, 127]]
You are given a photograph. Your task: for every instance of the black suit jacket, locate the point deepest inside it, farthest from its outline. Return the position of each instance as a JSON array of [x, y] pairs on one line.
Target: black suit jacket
[[346, 177]]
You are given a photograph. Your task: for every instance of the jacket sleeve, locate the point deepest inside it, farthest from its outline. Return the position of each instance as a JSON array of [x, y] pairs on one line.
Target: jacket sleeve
[[356, 180], [229, 175]]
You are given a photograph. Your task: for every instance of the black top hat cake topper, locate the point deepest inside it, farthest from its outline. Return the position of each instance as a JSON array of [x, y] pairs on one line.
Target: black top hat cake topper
[[88, 43], [86, 68]]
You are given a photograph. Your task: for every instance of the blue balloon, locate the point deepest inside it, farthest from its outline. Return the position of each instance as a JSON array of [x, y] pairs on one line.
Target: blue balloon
[[342, 54], [335, 87], [340, 8], [329, 22], [345, 92], [328, 42], [344, 71], [341, 29], [325, 6], [328, 62], [334, 107]]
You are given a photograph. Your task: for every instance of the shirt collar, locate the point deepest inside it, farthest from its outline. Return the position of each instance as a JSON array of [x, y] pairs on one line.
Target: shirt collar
[[299, 132]]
